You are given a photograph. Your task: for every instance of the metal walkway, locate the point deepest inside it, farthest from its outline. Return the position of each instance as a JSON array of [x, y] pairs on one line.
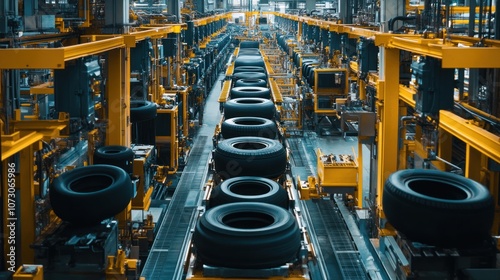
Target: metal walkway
[[167, 255], [338, 259], [338, 255]]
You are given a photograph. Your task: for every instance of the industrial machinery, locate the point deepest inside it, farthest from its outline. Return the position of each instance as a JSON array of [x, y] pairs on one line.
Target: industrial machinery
[[103, 84], [367, 121]]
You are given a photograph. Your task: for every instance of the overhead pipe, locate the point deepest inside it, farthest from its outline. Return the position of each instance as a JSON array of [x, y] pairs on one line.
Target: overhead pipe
[[473, 110]]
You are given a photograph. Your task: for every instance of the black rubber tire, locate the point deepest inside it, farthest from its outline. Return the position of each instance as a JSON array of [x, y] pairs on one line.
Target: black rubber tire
[[141, 110], [248, 126], [249, 189], [87, 195], [119, 156], [250, 156], [249, 45], [250, 52], [259, 92], [257, 69], [247, 235], [249, 75], [438, 208], [249, 107], [249, 60], [250, 83]]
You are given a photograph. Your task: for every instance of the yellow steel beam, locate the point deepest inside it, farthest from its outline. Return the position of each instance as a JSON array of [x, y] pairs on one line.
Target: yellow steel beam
[[145, 31], [54, 58], [269, 69], [473, 163], [275, 91], [358, 31], [14, 143], [429, 47], [174, 144], [47, 128], [45, 88], [469, 41], [388, 105], [453, 9], [185, 109], [206, 20], [224, 93], [484, 141], [448, 51], [451, 55], [118, 96], [156, 32], [473, 57], [406, 95], [97, 47], [27, 198]]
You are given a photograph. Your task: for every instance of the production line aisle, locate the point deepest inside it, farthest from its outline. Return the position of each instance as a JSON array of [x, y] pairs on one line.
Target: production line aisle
[[337, 255], [165, 260]]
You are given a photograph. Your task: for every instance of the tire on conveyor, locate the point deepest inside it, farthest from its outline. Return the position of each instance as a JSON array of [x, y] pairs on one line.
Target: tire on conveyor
[[248, 126], [438, 208], [249, 189], [259, 92], [250, 83], [250, 156], [247, 235], [249, 75], [249, 60], [250, 52], [249, 107], [87, 195], [249, 44], [119, 156], [258, 69], [141, 110]]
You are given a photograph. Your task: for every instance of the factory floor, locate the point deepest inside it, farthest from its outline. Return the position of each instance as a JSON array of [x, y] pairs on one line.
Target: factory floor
[[338, 256]]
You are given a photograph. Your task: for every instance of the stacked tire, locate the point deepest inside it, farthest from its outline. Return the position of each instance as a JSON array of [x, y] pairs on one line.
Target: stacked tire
[[438, 208], [248, 224], [87, 195]]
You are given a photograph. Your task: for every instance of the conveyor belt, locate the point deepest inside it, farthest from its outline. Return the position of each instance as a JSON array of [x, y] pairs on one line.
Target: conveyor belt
[[340, 239], [166, 256], [339, 256], [294, 145]]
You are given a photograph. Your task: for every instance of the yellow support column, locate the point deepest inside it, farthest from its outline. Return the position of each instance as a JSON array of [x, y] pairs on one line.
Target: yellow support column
[[185, 108], [473, 164], [359, 188], [118, 96], [388, 114], [174, 141], [444, 148], [362, 89], [27, 209]]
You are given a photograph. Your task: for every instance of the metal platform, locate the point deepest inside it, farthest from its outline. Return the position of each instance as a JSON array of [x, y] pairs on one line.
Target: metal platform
[[168, 251], [339, 257]]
